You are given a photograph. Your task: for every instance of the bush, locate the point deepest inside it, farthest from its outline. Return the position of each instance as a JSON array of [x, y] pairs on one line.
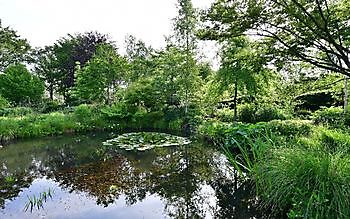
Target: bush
[[19, 86], [333, 117], [334, 141], [225, 115], [3, 102], [290, 128], [87, 117], [50, 106], [16, 111], [246, 113], [249, 113], [230, 135]]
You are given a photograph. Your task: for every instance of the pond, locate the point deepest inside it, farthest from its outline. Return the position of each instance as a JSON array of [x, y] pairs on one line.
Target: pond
[[69, 177]]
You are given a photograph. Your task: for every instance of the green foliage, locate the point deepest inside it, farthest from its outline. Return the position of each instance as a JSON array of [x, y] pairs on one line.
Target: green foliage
[[333, 117], [334, 141], [70, 51], [48, 106], [13, 49], [290, 128], [17, 85], [231, 135], [252, 113], [97, 79], [297, 177], [296, 30], [225, 115], [3, 102], [315, 100], [16, 111], [307, 183]]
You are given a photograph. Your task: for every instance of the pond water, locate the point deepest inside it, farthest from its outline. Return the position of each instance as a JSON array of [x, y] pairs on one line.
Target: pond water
[[193, 181]]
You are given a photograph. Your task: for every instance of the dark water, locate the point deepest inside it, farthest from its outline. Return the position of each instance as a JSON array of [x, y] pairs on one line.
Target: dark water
[[180, 182]]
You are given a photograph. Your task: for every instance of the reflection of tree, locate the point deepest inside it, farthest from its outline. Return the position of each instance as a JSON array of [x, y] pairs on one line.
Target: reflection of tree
[[174, 174], [235, 203], [177, 175], [11, 186]]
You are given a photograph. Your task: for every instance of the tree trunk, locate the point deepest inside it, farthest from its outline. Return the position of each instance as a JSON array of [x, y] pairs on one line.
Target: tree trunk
[[51, 91], [346, 93], [235, 100]]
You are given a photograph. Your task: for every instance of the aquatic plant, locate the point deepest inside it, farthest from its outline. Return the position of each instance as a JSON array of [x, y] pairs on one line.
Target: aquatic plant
[[142, 141], [38, 201]]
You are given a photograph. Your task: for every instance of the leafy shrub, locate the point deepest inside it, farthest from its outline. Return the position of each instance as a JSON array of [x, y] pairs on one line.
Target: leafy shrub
[[246, 113], [50, 106], [87, 117], [117, 111], [334, 141], [249, 113], [3, 102], [303, 114], [225, 115], [230, 135], [16, 111], [290, 128], [332, 116], [19, 86]]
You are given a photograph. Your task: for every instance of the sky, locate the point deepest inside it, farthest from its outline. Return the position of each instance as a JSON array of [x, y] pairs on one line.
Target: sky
[[42, 22]]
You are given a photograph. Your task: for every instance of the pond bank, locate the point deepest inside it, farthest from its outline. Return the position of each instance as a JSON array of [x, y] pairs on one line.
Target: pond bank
[[83, 119]]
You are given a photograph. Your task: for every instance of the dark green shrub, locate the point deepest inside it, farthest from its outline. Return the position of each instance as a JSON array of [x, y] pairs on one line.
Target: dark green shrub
[[315, 100], [225, 115], [250, 113], [333, 116], [268, 113], [16, 111], [247, 113], [51, 106], [3, 102], [290, 128], [303, 114]]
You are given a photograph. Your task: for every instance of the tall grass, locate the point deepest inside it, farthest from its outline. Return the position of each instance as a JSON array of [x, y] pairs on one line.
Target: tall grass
[[306, 183], [299, 170]]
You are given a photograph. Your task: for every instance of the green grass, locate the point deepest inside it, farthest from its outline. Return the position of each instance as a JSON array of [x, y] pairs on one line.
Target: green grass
[[306, 183], [83, 118], [300, 170]]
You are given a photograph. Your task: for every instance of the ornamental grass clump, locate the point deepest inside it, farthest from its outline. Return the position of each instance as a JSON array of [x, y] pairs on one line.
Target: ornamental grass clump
[[305, 183]]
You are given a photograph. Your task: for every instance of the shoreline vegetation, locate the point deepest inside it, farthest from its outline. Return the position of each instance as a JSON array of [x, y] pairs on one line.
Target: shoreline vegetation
[[276, 105]]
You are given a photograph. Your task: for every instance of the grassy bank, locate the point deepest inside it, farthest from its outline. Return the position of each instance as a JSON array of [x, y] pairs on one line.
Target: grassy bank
[[83, 118], [300, 168]]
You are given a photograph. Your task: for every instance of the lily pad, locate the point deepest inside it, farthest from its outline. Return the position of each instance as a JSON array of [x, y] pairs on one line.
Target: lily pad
[[142, 141]]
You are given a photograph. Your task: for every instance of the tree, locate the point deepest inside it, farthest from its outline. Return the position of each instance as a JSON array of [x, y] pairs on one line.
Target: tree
[[19, 86], [44, 67], [184, 31], [174, 86], [242, 66], [13, 49], [100, 75], [74, 50], [315, 32], [140, 58]]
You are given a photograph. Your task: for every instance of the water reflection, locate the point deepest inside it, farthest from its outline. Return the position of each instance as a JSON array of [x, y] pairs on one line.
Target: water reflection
[[192, 181]]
